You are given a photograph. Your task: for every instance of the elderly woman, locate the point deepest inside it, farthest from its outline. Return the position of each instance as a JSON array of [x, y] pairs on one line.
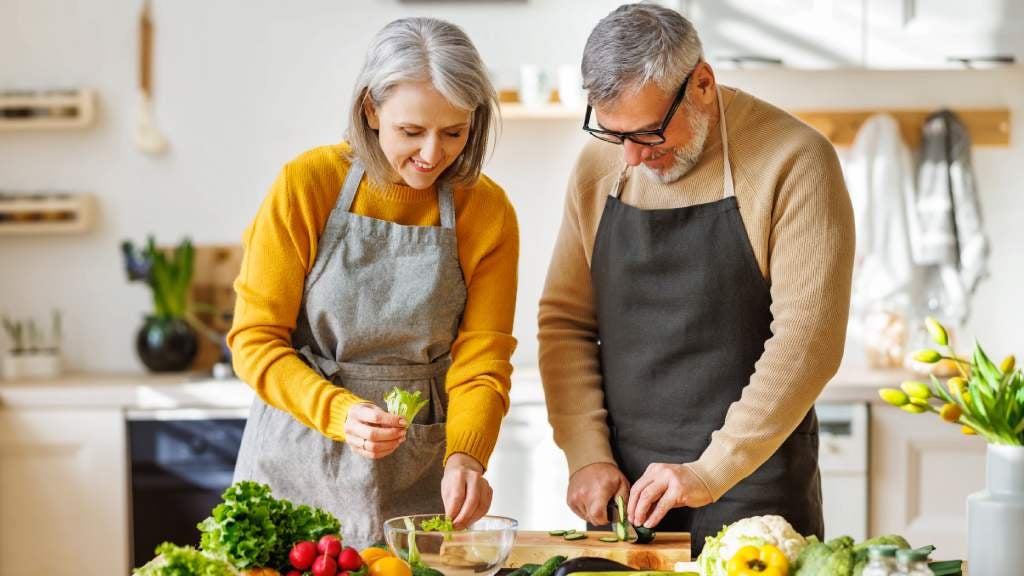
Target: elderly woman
[[384, 261]]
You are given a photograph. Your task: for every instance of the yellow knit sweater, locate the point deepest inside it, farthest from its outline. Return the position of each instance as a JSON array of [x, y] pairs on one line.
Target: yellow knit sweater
[[799, 221], [280, 249]]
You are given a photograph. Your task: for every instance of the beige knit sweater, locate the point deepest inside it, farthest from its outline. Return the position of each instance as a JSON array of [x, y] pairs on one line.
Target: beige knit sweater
[[799, 220]]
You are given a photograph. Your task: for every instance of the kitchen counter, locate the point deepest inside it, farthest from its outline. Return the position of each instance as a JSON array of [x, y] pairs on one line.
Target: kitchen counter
[[142, 391]]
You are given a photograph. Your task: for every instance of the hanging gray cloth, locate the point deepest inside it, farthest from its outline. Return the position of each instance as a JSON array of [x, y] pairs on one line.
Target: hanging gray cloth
[[951, 237]]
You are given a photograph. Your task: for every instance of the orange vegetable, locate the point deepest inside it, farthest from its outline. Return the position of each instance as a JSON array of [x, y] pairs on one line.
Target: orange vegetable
[[390, 566], [373, 553]]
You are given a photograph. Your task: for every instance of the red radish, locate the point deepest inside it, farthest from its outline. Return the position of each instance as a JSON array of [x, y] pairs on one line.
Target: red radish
[[330, 545], [324, 566], [349, 559], [302, 555]]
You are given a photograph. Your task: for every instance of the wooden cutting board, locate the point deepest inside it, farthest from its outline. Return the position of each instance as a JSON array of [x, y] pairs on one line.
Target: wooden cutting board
[[662, 554]]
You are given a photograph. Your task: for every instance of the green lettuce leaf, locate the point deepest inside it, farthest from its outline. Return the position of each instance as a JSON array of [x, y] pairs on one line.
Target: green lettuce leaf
[[404, 404], [184, 561]]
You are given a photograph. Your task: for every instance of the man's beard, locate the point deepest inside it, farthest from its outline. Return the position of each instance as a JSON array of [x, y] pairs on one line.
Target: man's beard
[[686, 157]]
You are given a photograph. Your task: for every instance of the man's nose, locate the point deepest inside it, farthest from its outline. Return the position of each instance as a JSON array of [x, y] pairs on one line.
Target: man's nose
[[632, 152]]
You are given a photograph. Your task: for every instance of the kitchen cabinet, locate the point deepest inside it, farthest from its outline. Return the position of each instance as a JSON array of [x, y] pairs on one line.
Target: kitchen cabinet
[[812, 34], [63, 492], [923, 34], [922, 470]]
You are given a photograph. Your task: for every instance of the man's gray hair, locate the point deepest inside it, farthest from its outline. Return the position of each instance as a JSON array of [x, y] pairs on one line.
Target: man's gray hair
[[425, 50], [635, 45]]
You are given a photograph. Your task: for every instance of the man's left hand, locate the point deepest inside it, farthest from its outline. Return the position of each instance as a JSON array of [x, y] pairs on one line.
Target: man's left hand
[[662, 488]]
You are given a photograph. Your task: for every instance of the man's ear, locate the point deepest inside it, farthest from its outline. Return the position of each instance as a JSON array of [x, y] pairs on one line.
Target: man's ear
[[371, 114], [704, 77]]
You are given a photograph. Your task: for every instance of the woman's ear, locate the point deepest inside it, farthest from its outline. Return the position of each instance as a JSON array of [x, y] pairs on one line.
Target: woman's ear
[[371, 114]]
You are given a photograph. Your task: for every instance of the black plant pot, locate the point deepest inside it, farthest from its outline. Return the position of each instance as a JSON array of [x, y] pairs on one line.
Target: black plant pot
[[166, 344]]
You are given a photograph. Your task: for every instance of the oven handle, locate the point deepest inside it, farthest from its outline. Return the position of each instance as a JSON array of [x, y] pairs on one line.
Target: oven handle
[[187, 414]]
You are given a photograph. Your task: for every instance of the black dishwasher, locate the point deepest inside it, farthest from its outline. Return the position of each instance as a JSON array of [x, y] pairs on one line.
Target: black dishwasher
[[181, 463]]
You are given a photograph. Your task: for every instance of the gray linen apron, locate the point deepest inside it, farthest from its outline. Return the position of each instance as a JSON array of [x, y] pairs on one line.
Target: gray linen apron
[[381, 308], [683, 313]]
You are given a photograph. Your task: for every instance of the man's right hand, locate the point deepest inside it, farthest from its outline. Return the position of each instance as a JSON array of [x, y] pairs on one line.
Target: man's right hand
[[592, 487]]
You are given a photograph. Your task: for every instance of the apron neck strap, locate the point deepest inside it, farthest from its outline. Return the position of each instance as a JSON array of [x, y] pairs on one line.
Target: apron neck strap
[[446, 205], [348, 190], [445, 199], [729, 189]]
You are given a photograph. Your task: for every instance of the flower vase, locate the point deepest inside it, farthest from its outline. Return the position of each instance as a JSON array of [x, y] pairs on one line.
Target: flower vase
[[995, 515], [166, 344]]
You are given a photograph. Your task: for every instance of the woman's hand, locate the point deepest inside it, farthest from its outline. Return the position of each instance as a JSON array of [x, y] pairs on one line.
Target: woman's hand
[[372, 432], [465, 491]]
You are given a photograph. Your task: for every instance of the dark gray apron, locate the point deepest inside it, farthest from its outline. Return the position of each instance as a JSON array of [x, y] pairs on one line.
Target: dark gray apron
[[683, 313], [381, 308]]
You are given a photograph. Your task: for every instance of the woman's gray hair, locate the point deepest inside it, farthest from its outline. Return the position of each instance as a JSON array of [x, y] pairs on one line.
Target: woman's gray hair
[[635, 45], [425, 50]]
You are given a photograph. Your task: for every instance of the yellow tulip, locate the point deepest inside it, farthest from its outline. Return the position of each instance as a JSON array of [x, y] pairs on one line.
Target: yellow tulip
[[928, 356], [957, 386], [912, 408], [937, 331], [967, 430], [950, 412], [916, 390], [1006, 366], [893, 396]]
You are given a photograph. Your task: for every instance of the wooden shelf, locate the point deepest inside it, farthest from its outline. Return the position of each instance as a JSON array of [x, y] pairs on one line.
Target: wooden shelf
[[987, 126], [57, 110], [22, 214], [517, 111]]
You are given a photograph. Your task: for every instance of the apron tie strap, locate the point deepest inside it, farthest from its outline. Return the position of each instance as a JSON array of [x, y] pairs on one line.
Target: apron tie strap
[[329, 368]]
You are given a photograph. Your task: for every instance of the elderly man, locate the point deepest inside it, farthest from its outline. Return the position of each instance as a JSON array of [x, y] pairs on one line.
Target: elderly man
[[697, 299]]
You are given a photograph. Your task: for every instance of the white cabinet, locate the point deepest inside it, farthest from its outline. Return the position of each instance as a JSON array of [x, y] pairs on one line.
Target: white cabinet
[[922, 470], [63, 492], [928, 33], [815, 34]]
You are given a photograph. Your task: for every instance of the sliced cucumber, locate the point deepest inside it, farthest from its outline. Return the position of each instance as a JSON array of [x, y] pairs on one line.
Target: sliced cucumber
[[620, 531], [608, 539], [576, 536], [557, 532]]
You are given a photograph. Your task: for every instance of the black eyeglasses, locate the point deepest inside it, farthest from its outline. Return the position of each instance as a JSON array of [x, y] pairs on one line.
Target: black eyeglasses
[[642, 137]]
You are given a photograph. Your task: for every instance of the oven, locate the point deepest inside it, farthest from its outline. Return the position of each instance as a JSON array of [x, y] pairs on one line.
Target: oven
[[181, 461]]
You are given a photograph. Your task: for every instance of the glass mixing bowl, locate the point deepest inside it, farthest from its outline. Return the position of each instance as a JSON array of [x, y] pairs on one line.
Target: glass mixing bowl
[[480, 550]]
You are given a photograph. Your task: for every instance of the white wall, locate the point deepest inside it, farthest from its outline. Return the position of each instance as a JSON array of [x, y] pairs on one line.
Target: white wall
[[242, 87]]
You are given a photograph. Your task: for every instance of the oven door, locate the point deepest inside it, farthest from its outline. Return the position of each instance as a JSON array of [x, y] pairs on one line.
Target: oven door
[[181, 461]]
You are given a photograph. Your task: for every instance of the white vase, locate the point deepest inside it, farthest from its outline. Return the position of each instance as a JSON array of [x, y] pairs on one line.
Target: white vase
[[995, 516], [31, 365]]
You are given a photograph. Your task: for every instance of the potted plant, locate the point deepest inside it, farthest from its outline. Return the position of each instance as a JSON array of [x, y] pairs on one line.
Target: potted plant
[[32, 353], [166, 342], [988, 401]]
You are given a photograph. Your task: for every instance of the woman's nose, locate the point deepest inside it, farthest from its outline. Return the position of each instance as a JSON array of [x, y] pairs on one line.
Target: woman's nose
[[431, 151]]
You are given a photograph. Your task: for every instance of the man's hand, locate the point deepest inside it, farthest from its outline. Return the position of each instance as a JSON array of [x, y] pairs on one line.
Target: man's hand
[[592, 487], [372, 432], [464, 490], [662, 488]]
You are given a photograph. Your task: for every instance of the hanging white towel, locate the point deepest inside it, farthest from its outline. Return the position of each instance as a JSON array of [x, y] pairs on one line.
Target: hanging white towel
[[880, 178]]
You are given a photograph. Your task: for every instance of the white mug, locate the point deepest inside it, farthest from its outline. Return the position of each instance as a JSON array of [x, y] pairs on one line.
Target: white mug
[[533, 85]]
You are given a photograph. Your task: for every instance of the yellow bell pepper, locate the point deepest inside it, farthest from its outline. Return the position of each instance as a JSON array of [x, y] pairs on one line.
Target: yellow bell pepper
[[753, 561]]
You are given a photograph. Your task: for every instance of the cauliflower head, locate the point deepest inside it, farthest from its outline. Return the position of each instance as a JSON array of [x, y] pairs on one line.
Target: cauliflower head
[[753, 531]]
